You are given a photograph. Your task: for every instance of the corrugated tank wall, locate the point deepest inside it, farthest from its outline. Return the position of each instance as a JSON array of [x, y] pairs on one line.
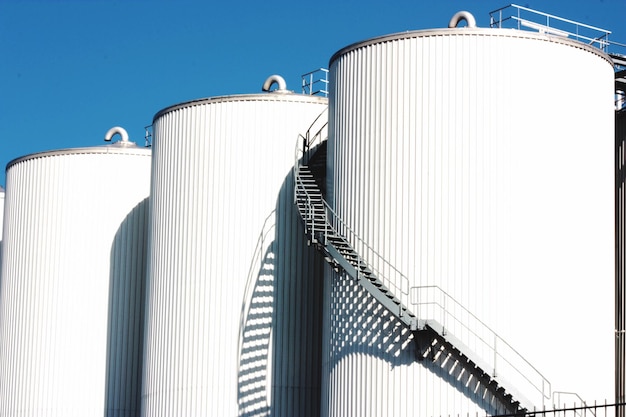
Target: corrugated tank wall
[[234, 306], [471, 160], [73, 274]]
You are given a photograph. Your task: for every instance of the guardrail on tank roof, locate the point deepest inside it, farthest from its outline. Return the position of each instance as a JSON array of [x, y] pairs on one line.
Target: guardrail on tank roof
[[315, 83], [523, 18]]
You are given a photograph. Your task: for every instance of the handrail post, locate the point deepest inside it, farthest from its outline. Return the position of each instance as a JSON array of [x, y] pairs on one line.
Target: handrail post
[[495, 355], [445, 316], [325, 226], [310, 215]]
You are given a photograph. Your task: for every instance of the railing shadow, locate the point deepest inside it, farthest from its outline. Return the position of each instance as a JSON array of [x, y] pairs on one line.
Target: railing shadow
[[254, 344], [127, 286], [279, 365], [360, 325], [481, 344]]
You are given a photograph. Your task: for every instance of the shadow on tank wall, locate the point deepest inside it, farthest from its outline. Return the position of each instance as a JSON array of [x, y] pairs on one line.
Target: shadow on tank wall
[[279, 365], [256, 327], [127, 289]]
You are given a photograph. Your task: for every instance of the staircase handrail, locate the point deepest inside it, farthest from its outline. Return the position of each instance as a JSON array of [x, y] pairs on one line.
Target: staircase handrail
[[485, 336], [308, 141], [577, 411], [367, 253]]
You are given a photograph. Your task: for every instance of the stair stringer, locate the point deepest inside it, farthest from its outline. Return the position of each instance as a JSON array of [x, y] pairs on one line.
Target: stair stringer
[[513, 400], [397, 309]]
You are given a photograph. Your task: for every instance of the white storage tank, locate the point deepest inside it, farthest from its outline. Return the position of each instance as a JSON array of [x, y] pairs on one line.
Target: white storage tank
[[73, 281], [234, 314], [479, 161]]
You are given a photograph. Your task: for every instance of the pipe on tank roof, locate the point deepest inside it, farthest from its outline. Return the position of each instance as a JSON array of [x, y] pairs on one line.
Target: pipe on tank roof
[[280, 81], [116, 130], [460, 16]]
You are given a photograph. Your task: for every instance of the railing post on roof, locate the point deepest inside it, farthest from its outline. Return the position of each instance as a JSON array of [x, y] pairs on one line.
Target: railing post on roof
[[148, 136], [310, 79], [551, 24]]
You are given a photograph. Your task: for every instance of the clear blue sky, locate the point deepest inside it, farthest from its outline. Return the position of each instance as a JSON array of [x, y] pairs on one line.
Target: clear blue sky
[[71, 69]]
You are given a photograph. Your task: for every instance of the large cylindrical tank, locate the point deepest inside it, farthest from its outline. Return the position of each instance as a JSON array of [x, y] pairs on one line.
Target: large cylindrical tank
[[234, 314], [73, 274], [478, 161]]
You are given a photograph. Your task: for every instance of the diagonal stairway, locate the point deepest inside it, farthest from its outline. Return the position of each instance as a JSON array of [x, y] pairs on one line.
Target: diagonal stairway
[[337, 250], [451, 362], [447, 355]]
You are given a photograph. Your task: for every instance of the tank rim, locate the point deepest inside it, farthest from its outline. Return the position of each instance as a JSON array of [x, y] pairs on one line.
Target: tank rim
[[465, 31], [105, 149], [292, 97]]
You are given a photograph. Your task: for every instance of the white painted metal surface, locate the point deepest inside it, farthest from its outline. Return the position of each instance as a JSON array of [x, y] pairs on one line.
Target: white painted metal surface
[[73, 272], [230, 296], [481, 161]]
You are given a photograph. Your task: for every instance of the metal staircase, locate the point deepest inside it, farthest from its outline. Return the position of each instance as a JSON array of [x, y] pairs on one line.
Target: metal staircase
[[451, 361], [336, 248], [346, 252]]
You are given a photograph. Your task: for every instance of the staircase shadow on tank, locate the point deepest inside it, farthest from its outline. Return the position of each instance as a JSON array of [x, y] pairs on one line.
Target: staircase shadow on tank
[[387, 338], [281, 319], [255, 336], [360, 325]]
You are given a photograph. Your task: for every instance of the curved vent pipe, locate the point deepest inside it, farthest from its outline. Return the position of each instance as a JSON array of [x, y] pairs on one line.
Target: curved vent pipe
[[118, 131], [459, 17], [279, 81]]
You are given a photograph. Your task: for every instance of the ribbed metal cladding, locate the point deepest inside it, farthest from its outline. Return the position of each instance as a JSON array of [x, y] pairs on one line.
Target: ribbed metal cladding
[[469, 159], [620, 258], [233, 318], [73, 273]]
